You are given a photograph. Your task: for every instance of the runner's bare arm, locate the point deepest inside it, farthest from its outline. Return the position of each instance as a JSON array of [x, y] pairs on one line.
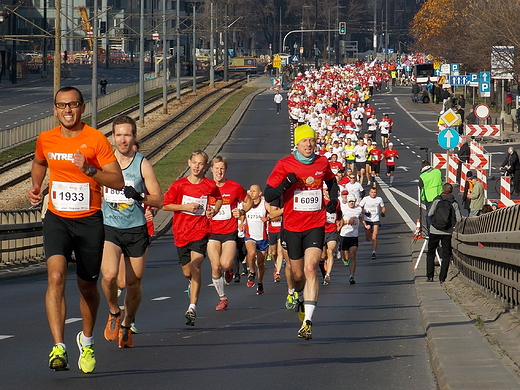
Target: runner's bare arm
[[154, 197], [109, 176], [38, 171]]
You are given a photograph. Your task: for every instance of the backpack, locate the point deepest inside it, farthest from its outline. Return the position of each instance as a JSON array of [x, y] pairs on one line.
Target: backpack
[[444, 216]]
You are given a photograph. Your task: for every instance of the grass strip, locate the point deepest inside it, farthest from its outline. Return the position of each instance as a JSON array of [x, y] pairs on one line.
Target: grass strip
[[169, 168]]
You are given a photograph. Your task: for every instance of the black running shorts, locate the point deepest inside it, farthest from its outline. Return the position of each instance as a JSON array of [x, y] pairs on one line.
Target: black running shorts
[[348, 242], [224, 237], [297, 243], [83, 236], [198, 246], [132, 241]]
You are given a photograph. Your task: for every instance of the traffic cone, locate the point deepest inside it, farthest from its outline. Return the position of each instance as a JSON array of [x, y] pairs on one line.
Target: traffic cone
[[417, 235]]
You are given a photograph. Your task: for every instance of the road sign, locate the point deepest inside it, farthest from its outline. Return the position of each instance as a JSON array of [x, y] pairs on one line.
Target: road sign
[[484, 84], [473, 79], [448, 138], [481, 111], [445, 68], [155, 36], [483, 130], [449, 117], [459, 80], [277, 61], [439, 161], [276, 81], [454, 69]]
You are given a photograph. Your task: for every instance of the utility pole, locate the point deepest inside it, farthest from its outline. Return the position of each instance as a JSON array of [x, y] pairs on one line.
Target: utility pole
[[194, 50], [211, 49], [226, 52], [57, 50], [178, 63], [141, 66], [95, 33], [165, 67]]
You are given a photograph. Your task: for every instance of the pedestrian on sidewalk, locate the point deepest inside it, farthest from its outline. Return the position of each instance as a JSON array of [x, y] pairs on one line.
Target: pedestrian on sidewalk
[[444, 214], [103, 83]]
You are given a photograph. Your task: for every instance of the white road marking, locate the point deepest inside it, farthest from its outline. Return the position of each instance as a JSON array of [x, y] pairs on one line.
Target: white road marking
[[72, 320], [162, 298], [6, 336], [412, 118], [390, 197]]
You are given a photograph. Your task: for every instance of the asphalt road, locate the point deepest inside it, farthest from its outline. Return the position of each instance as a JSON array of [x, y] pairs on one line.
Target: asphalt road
[[28, 101], [366, 336]]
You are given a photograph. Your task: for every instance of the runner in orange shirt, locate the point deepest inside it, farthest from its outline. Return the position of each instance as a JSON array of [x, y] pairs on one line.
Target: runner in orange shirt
[[80, 160]]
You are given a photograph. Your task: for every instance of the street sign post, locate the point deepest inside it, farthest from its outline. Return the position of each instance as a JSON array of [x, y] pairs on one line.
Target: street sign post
[[448, 139], [459, 80], [484, 84]]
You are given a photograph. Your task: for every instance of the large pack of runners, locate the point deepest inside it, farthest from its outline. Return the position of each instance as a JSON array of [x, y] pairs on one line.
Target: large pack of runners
[[312, 204]]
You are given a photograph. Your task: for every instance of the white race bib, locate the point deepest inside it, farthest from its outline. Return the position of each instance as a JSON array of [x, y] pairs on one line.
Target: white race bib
[[202, 202], [331, 218], [224, 213], [390, 159], [307, 200], [70, 196], [114, 196]]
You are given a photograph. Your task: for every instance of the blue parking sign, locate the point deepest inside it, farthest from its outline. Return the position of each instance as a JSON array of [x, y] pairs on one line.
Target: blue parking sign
[[484, 82], [454, 69]]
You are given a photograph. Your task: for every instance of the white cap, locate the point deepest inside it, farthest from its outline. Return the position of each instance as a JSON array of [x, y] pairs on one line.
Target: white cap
[[390, 144], [351, 197]]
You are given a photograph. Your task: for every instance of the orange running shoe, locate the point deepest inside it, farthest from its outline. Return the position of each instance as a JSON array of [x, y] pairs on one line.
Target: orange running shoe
[[112, 327]]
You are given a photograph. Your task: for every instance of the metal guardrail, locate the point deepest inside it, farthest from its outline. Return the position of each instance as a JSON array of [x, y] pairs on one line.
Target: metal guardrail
[[21, 238], [486, 250], [28, 131]]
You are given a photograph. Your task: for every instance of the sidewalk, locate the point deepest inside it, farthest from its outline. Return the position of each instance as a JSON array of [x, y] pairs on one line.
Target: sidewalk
[[461, 357]]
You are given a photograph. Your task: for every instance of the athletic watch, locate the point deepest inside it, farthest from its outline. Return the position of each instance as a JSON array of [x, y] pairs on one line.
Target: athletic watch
[[91, 171]]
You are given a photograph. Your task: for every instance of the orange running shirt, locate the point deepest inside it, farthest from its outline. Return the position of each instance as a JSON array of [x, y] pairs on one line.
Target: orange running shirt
[[69, 189]]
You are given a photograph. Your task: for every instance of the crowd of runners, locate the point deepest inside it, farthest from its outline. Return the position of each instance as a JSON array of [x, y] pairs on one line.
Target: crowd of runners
[[306, 215]]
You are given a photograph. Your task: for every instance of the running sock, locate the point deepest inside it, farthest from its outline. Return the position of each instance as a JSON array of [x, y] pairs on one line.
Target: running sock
[[219, 286], [63, 345], [309, 310], [290, 291], [192, 306], [86, 340], [391, 179]]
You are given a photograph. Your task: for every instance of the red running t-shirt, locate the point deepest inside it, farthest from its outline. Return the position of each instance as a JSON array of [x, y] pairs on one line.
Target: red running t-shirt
[[232, 193], [304, 208], [188, 227]]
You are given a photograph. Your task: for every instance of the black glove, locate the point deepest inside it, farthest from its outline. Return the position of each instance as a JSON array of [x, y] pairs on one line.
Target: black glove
[[382, 214], [289, 181], [131, 193], [368, 213], [331, 206]]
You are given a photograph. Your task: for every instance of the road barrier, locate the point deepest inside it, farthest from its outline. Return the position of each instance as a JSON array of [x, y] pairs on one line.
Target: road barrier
[[486, 250], [23, 133], [21, 238]]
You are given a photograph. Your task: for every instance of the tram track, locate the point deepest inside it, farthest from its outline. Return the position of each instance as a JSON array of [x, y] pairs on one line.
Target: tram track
[[152, 143]]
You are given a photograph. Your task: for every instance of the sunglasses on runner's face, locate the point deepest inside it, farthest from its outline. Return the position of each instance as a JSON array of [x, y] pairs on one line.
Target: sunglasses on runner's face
[[62, 105]]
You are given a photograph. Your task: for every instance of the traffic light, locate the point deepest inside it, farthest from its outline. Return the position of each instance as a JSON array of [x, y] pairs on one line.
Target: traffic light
[[342, 28]]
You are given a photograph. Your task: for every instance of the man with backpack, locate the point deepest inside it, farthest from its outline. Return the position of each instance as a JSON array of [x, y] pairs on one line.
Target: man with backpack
[[444, 213]]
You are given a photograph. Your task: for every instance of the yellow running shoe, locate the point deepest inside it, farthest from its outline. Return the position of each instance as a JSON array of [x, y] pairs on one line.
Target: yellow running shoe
[[305, 331], [58, 359], [87, 359]]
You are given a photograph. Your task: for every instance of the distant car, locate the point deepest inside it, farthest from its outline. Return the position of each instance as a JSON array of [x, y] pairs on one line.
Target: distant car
[[423, 95]]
